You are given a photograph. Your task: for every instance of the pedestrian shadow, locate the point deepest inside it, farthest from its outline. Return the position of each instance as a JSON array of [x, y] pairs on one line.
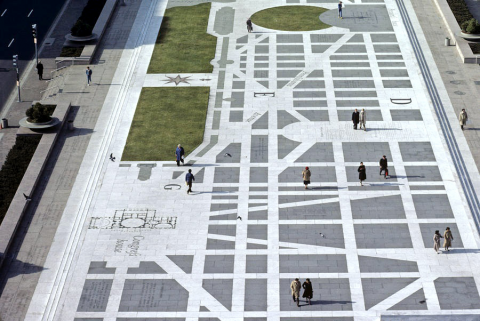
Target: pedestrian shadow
[[461, 251], [200, 165], [213, 192], [471, 128], [383, 184], [327, 302], [370, 129], [324, 188], [407, 177]]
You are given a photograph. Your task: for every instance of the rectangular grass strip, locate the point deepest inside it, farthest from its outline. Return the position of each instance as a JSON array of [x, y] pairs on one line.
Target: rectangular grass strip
[[164, 118], [183, 45]]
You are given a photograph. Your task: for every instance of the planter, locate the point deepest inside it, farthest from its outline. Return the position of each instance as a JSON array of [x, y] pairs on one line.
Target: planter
[[25, 123], [69, 37], [470, 36]]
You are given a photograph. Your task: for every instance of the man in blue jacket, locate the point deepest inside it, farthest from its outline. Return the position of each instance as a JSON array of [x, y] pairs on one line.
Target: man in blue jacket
[[179, 153], [189, 178]]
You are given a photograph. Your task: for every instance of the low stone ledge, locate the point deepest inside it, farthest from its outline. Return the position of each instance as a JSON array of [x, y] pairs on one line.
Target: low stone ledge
[[99, 29], [464, 50], [30, 180]]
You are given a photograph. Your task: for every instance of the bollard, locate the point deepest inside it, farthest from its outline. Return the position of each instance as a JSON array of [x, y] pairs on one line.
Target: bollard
[[447, 42], [4, 123], [70, 125]]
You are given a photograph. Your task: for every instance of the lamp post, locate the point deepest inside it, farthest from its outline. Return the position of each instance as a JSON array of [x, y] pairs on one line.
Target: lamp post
[[34, 34], [15, 65]]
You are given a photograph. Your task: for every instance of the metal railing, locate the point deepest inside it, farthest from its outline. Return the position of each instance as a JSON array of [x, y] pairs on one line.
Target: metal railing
[[47, 91]]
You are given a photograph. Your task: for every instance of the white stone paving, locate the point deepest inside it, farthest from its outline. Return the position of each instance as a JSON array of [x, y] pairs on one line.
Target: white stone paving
[[103, 187]]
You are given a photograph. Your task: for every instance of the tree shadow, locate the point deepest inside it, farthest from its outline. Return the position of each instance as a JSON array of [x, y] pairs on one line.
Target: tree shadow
[[16, 268]]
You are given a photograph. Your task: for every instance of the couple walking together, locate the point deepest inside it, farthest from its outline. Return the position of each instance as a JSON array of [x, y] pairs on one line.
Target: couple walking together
[[296, 286], [447, 243], [359, 118]]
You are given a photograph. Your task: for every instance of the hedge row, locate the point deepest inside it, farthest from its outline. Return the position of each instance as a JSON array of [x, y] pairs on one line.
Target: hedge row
[[84, 25], [14, 168], [71, 51], [460, 11]]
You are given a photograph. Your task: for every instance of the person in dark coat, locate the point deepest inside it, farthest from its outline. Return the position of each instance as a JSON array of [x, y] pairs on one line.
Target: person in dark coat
[[40, 70], [189, 179], [362, 173], [355, 118], [383, 166], [179, 153], [307, 291], [89, 72], [249, 25]]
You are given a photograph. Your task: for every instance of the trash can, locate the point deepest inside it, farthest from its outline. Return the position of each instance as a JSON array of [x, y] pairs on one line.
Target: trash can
[[447, 42], [4, 123], [70, 125]]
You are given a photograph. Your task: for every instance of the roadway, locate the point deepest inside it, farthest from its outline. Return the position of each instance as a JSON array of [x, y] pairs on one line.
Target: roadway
[[16, 19]]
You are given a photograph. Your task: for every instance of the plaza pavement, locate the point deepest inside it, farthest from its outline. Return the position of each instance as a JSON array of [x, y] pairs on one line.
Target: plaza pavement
[[20, 271], [129, 247]]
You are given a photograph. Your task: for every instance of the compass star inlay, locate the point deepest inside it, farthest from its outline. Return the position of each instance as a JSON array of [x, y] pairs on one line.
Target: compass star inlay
[[177, 80]]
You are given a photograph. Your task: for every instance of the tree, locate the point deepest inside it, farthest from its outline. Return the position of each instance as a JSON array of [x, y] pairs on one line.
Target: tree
[[471, 26], [38, 114]]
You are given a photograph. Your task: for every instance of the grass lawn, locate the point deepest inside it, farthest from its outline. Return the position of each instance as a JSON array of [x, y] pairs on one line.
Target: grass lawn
[[183, 45], [290, 18], [164, 118]]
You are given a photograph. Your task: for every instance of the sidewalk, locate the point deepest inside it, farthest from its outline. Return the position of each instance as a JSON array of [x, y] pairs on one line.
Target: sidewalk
[[461, 80], [20, 276], [31, 87]]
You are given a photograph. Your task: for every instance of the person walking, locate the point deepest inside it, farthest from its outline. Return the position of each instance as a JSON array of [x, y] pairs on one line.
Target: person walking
[[355, 118], [383, 166], [447, 243], [363, 119], [179, 154], [436, 241], [307, 291], [249, 25], [89, 72], [40, 70], [189, 179], [463, 118], [306, 174], [362, 173], [295, 286], [340, 7]]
